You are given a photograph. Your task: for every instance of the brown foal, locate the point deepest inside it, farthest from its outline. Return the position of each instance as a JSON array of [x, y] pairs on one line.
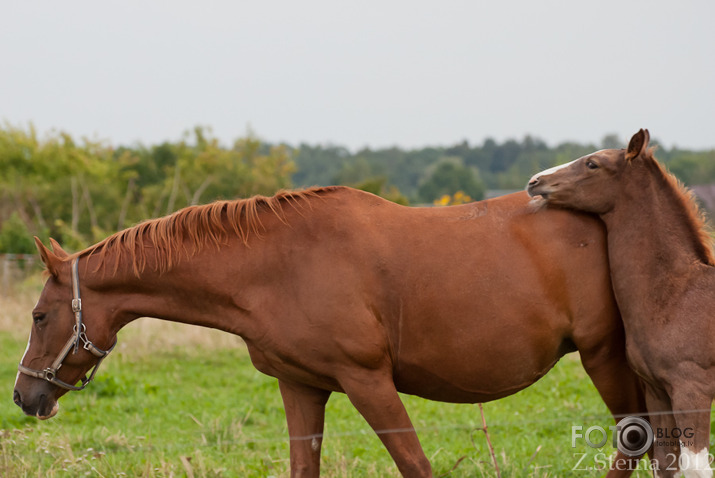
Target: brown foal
[[663, 276]]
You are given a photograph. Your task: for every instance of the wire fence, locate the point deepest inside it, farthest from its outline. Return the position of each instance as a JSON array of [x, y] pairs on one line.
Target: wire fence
[[521, 423]]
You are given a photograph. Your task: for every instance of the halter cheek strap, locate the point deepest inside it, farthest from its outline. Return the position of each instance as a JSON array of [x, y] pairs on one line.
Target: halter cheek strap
[[76, 302], [78, 335]]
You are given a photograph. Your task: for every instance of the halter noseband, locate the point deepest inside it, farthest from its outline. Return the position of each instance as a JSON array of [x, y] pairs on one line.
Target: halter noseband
[[78, 335]]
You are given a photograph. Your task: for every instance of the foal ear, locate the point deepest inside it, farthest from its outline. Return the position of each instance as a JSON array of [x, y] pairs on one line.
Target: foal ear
[[51, 261], [57, 249], [638, 144]]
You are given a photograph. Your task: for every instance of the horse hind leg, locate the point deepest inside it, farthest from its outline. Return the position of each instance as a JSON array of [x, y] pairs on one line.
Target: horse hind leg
[[374, 395], [305, 413], [619, 387]]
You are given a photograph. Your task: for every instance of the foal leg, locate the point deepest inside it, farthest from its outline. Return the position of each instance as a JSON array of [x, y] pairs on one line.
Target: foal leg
[[692, 415], [664, 458], [374, 395], [305, 413]]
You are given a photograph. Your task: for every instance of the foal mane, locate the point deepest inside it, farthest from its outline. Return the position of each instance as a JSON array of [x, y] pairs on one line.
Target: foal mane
[[695, 218], [196, 226]]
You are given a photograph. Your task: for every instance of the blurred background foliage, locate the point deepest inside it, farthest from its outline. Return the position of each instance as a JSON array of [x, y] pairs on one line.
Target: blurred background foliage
[[80, 191]]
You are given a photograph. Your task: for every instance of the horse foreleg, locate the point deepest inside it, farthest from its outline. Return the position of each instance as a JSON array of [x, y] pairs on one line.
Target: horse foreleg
[[691, 408], [305, 413], [375, 397]]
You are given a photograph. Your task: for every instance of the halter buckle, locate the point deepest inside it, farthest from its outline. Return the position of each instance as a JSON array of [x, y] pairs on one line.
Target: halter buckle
[[76, 305]]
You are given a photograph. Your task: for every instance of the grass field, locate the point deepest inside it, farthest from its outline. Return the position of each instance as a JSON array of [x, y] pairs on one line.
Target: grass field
[[174, 401]]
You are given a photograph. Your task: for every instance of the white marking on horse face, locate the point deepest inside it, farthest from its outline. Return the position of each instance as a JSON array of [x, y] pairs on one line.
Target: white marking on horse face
[[23, 357], [552, 170], [546, 172], [694, 465]]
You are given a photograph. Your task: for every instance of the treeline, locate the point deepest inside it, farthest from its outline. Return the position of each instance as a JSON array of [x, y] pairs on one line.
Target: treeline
[[80, 191], [422, 174]]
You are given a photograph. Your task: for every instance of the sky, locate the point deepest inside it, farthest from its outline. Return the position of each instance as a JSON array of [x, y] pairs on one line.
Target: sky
[[357, 74]]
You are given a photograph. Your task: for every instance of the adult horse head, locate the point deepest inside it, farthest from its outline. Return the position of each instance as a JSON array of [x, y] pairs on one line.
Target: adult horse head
[[663, 272], [337, 290], [58, 340]]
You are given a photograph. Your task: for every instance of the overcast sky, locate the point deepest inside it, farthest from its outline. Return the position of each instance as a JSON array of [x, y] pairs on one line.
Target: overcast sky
[[384, 73]]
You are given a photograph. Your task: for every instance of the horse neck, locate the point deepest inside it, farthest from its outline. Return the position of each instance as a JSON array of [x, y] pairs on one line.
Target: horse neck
[[652, 247], [187, 293]]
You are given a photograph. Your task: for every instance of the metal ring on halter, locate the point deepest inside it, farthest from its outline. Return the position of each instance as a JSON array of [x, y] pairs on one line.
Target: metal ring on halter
[[78, 335]]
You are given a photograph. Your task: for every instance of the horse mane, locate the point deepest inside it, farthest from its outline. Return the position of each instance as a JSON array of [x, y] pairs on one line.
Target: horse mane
[[694, 216], [187, 231]]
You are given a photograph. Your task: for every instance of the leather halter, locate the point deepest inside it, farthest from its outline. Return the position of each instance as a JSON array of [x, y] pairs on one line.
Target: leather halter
[[78, 335]]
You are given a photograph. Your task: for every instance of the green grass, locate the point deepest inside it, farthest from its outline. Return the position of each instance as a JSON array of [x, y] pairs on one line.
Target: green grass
[[185, 407], [210, 413]]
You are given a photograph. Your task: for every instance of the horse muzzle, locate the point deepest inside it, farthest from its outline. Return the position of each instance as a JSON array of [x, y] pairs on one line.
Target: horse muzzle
[[538, 187], [42, 406]]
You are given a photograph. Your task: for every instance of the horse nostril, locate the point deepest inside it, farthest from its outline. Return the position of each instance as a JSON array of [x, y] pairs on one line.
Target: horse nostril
[[534, 181], [16, 398]]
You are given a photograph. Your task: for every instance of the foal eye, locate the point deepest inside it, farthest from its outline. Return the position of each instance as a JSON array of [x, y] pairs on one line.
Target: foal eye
[[38, 317], [591, 165]]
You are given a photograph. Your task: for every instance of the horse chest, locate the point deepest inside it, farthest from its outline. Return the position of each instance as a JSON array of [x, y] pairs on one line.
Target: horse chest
[[644, 356], [656, 356], [638, 360]]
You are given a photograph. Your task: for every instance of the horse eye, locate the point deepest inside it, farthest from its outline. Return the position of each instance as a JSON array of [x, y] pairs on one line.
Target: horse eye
[[591, 165], [38, 317]]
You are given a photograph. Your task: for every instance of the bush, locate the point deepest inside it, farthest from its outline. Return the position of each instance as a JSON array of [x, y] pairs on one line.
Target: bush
[[15, 238]]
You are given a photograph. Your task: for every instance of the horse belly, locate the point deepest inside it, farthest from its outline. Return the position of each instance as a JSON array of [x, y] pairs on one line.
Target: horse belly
[[477, 373]]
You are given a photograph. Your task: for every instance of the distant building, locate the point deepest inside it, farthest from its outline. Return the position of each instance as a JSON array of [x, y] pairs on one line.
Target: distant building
[[706, 195]]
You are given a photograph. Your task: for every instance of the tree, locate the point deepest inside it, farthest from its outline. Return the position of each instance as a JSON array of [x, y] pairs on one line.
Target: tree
[[693, 168], [379, 187], [611, 141], [449, 177], [15, 237]]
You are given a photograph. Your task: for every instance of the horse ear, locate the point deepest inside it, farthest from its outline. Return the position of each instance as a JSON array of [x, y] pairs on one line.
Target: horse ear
[[51, 261], [638, 144], [57, 249]]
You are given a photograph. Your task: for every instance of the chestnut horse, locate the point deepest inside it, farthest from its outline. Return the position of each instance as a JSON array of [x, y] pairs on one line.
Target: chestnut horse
[[663, 276], [338, 290]]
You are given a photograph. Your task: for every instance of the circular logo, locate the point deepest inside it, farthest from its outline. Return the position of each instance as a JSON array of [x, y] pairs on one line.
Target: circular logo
[[635, 436]]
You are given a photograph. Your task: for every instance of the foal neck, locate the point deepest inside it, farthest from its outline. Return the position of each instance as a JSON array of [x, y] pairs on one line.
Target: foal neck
[[655, 239]]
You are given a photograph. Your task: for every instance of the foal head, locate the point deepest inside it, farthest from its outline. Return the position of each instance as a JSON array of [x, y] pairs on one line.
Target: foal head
[[592, 183], [58, 351]]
